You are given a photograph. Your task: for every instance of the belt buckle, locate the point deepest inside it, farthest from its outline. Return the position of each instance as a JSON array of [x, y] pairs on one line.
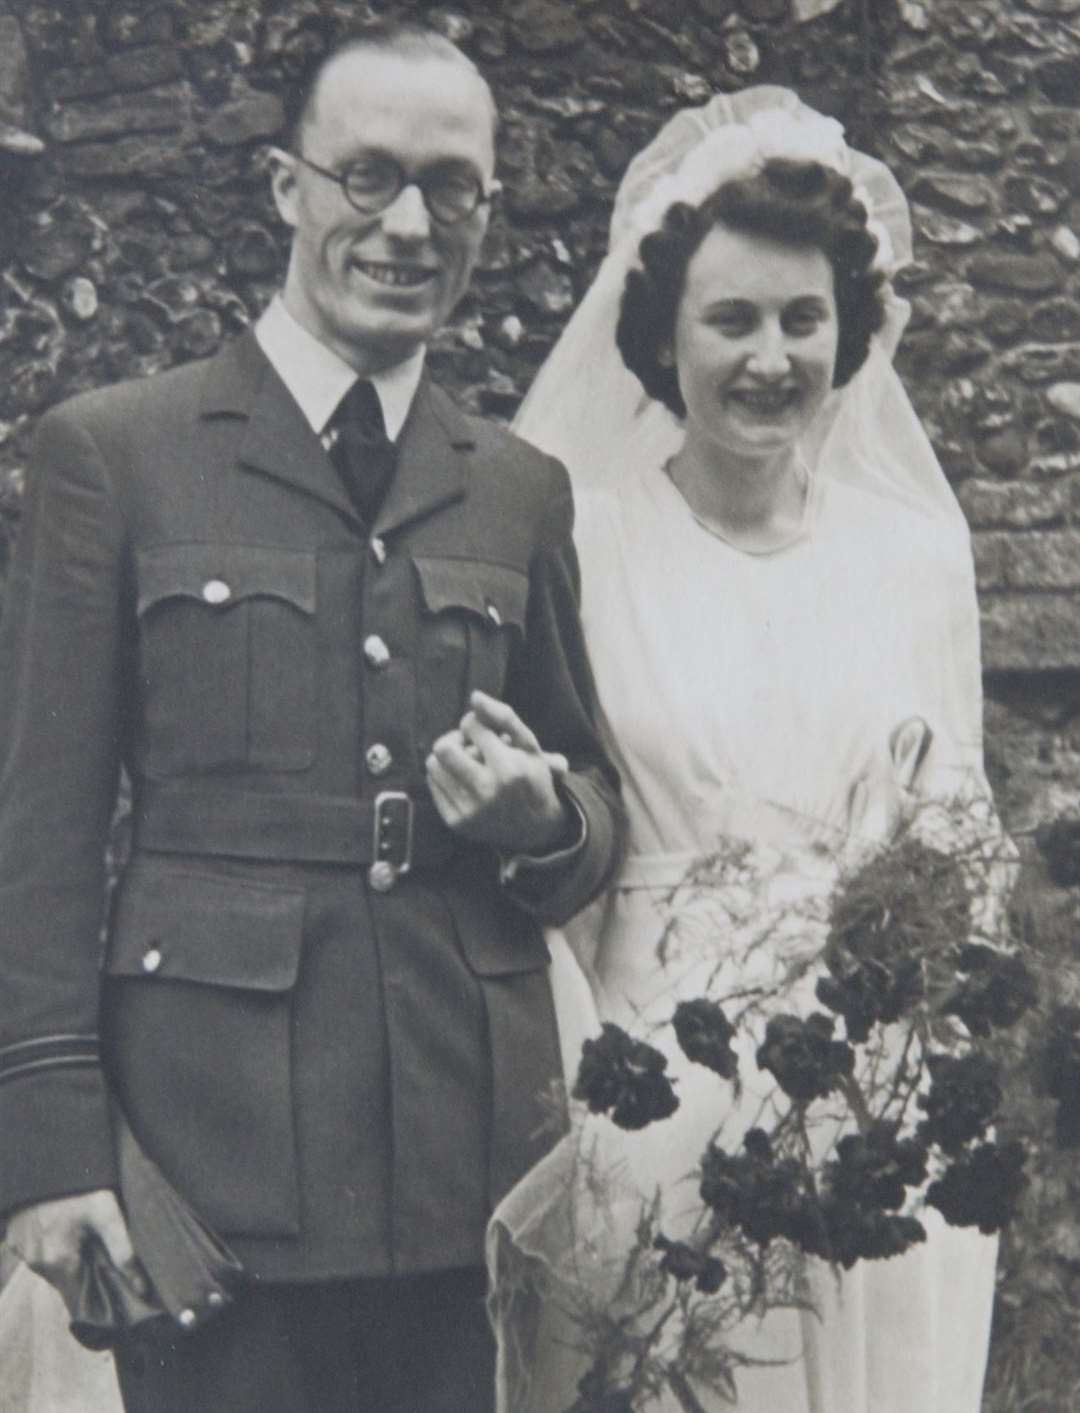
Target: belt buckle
[[392, 839]]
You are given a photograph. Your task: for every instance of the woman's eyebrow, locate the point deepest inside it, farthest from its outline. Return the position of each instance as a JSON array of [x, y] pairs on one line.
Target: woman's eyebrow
[[730, 304]]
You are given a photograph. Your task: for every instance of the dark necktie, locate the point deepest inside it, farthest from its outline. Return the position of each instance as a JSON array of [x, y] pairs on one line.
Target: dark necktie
[[361, 451]]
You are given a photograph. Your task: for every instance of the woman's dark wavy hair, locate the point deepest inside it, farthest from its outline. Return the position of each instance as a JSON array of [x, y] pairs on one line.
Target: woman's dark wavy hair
[[797, 203]]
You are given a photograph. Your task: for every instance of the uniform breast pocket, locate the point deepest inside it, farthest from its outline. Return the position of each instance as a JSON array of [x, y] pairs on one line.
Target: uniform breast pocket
[[473, 620], [227, 658]]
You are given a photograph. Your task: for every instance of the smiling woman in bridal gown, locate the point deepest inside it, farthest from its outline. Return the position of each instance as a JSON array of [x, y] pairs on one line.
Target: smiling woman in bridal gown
[[779, 606]]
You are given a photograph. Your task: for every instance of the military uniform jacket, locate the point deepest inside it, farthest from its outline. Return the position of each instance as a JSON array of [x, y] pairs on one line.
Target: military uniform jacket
[[340, 1078]]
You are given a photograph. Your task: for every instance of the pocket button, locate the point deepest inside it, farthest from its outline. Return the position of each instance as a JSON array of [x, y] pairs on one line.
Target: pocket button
[[151, 959], [216, 591]]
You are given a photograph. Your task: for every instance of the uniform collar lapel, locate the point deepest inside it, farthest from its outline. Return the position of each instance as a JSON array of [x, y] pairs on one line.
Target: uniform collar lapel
[[432, 448], [432, 460], [278, 441]]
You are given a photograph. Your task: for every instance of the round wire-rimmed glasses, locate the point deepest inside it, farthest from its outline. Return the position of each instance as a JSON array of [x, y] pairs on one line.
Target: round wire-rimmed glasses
[[451, 193]]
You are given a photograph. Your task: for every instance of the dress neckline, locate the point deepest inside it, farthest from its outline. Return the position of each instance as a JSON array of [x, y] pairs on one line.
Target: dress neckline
[[797, 537]]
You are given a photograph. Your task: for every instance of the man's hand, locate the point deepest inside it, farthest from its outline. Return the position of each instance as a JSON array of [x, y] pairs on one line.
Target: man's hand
[[51, 1237], [492, 782]]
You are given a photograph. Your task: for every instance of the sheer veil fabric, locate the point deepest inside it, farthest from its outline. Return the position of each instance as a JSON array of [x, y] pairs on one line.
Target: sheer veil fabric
[[759, 698]]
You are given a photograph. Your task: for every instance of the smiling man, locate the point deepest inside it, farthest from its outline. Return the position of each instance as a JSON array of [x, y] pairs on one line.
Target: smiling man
[[329, 626]]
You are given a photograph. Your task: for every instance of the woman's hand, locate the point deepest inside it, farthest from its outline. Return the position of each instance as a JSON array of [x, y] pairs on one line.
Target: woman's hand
[[52, 1237]]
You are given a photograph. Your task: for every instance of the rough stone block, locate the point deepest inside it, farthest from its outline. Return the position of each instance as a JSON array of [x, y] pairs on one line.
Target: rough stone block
[[1059, 9], [1018, 274], [153, 25], [1037, 364], [1036, 195], [19, 142], [158, 110], [1013, 505], [1044, 559], [546, 290], [14, 74], [127, 157], [1006, 320], [1030, 632], [1059, 79], [80, 298], [988, 551], [1004, 451], [531, 196], [59, 245], [1067, 244], [144, 68], [1056, 321], [1058, 463], [200, 333], [958, 196], [945, 231], [248, 117], [974, 156], [252, 251], [544, 26], [1065, 398]]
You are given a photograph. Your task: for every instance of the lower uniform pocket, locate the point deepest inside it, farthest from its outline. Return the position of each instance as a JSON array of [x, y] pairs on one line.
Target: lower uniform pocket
[[198, 990]]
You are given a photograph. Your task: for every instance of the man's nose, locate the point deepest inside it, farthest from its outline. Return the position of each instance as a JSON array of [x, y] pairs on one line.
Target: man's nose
[[407, 216]]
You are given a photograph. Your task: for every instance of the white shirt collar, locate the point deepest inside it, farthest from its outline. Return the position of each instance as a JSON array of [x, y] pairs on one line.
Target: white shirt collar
[[318, 379]]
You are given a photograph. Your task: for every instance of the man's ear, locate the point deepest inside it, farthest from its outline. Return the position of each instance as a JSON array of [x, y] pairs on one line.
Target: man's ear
[[283, 183]]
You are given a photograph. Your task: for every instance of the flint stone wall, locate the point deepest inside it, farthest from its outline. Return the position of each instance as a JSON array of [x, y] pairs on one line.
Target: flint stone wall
[[136, 231]]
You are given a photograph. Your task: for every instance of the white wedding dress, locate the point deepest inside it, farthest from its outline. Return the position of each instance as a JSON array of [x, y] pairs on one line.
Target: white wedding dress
[[748, 697], [42, 1367]]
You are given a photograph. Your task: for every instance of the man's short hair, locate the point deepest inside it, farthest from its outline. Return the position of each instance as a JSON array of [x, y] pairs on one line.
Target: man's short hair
[[382, 36]]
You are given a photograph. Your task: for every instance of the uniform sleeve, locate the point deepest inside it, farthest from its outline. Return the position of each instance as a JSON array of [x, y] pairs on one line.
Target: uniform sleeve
[[59, 764], [552, 690]]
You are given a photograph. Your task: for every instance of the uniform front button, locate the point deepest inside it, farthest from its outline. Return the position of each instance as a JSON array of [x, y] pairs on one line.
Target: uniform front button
[[378, 758], [382, 876], [187, 1318], [215, 1300], [376, 651], [378, 549], [216, 591], [151, 959]]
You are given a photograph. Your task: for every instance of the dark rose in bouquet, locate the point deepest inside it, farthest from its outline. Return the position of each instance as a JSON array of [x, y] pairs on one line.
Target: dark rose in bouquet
[[625, 1078], [889, 919]]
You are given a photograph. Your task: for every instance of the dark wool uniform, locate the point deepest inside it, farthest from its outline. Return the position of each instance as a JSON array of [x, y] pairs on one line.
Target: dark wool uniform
[[341, 1065]]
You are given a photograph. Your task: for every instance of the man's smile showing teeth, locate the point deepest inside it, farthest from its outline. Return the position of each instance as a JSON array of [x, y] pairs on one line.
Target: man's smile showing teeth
[[399, 276]]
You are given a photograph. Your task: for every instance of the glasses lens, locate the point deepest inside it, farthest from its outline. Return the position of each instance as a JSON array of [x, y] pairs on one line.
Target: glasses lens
[[372, 182], [451, 195]]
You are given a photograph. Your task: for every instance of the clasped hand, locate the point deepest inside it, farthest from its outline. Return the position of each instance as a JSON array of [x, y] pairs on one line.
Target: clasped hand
[[491, 780], [52, 1238]]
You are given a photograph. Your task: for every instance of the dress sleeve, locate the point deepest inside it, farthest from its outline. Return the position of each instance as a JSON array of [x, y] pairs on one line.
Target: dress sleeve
[[552, 689], [951, 802]]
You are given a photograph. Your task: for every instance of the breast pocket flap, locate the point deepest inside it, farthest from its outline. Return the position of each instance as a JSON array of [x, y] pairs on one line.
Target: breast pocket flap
[[207, 929], [221, 575], [497, 593]]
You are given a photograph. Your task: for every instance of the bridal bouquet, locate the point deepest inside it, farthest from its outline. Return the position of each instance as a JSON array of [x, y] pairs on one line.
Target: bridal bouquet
[[866, 1078]]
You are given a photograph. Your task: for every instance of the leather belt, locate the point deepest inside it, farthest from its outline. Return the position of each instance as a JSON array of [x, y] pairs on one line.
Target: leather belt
[[391, 832]]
